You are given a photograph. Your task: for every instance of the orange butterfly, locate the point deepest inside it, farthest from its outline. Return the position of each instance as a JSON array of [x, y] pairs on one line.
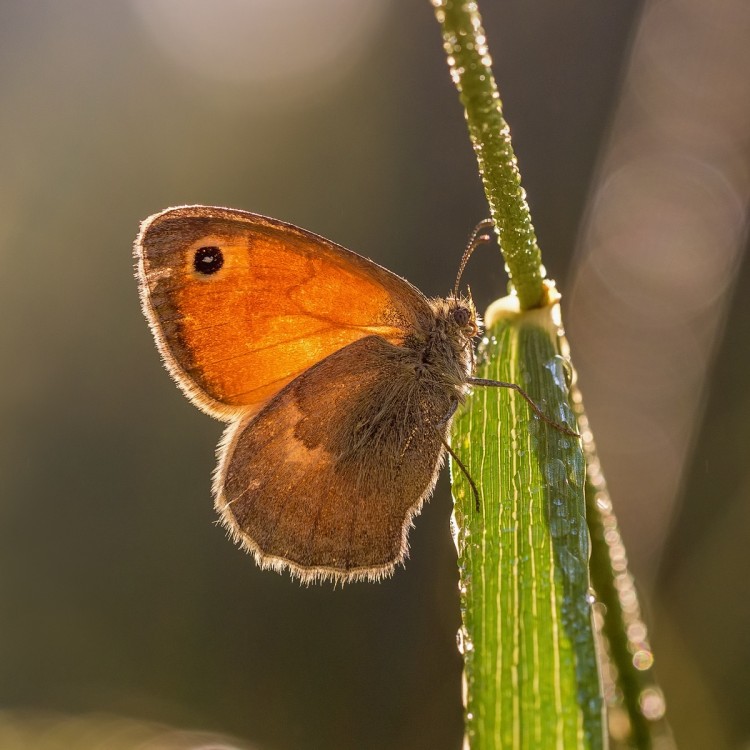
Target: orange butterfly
[[338, 379]]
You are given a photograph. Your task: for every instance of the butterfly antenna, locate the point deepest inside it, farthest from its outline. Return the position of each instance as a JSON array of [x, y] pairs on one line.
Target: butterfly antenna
[[479, 236]]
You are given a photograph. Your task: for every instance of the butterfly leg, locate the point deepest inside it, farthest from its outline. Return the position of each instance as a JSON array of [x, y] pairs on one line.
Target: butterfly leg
[[450, 450], [521, 392], [447, 418], [463, 469]]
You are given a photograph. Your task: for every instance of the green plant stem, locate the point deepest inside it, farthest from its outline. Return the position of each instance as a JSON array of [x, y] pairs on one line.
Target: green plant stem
[[632, 681], [527, 636], [469, 60]]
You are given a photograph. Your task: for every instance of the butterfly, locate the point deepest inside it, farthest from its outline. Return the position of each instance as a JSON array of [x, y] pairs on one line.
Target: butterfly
[[338, 379]]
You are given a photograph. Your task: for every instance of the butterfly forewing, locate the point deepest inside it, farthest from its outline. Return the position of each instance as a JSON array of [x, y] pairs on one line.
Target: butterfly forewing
[[241, 304]]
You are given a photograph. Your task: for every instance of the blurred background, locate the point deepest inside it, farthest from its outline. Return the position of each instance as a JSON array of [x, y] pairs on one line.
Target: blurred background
[[125, 610]]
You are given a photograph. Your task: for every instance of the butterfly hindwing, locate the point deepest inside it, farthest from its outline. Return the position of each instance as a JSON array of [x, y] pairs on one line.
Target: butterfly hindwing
[[326, 478]]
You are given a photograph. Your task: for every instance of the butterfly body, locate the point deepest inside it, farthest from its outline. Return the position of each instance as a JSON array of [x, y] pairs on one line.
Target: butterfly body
[[339, 380]]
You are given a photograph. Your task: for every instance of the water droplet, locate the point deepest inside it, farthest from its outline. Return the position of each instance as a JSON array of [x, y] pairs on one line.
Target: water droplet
[[558, 526], [652, 703], [565, 414], [604, 504], [637, 632], [463, 641], [569, 563], [555, 473], [584, 547], [576, 468], [643, 659]]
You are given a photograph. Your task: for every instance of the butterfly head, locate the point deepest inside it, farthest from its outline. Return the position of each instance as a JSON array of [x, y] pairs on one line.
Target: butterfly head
[[462, 314]]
